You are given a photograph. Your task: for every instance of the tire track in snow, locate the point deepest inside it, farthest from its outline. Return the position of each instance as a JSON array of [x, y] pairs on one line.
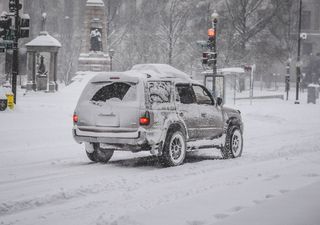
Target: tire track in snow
[[179, 174]]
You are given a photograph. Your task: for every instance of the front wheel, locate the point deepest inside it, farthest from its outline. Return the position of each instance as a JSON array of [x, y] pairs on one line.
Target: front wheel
[[174, 150], [100, 154], [234, 143]]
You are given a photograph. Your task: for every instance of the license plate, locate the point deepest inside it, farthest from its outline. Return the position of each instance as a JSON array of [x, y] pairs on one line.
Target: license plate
[[107, 121]]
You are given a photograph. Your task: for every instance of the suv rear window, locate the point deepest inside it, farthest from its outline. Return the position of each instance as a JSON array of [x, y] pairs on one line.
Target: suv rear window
[[116, 91], [159, 92]]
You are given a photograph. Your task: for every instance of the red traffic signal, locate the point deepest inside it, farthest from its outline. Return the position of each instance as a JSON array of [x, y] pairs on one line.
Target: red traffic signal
[[211, 33]]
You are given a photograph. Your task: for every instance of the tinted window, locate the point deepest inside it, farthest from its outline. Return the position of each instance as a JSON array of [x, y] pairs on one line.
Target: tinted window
[[186, 94], [202, 95], [159, 91], [115, 91]]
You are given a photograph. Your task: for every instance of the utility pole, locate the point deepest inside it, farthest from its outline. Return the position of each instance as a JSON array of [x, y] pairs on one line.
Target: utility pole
[[287, 79], [298, 66], [111, 54], [15, 56], [214, 18]]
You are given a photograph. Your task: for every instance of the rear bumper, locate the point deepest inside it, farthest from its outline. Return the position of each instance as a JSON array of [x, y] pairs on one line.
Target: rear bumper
[[109, 136], [124, 140]]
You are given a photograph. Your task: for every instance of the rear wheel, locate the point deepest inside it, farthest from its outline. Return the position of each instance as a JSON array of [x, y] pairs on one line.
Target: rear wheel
[[91, 156], [234, 143], [174, 150], [100, 154]]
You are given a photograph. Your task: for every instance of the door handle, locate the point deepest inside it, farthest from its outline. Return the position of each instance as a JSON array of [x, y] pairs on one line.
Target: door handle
[[203, 114]]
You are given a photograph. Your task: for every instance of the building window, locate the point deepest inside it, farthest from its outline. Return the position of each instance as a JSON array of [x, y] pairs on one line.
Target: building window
[[306, 20], [307, 48]]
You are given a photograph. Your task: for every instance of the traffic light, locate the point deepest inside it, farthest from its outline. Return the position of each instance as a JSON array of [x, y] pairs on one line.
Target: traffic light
[[211, 36], [5, 25], [14, 6], [24, 26], [205, 57], [208, 58]]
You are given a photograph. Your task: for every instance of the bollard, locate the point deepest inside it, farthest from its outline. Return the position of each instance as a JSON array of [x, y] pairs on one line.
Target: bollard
[[10, 100]]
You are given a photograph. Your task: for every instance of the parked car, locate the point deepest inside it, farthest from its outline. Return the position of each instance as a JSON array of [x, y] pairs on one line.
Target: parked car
[[156, 108]]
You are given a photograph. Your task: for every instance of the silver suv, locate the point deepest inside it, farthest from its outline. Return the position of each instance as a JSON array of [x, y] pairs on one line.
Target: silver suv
[[156, 108]]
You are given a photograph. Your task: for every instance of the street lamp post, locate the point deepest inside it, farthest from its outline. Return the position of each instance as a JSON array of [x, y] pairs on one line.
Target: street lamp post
[[287, 79], [298, 66], [214, 18], [111, 54]]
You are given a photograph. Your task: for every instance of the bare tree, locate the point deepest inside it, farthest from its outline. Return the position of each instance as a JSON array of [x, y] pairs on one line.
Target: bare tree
[[248, 19], [172, 27], [283, 28]]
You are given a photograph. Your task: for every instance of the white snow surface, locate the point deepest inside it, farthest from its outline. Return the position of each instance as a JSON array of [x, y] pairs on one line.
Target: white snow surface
[[46, 178]]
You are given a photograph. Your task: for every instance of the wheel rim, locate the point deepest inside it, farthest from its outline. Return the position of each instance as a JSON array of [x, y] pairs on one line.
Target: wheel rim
[[236, 143], [177, 148]]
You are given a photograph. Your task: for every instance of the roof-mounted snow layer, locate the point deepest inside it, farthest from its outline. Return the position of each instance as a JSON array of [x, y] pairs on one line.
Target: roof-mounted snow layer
[[142, 72], [160, 71]]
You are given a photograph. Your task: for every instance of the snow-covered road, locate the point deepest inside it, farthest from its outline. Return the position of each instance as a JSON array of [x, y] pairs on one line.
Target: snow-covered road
[[45, 177]]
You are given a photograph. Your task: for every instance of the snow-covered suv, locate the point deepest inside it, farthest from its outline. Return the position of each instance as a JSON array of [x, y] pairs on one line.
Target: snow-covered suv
[[156, 108]]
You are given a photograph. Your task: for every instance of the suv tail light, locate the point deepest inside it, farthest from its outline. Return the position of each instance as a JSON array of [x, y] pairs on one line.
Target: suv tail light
[[75, 118], [145, 120]]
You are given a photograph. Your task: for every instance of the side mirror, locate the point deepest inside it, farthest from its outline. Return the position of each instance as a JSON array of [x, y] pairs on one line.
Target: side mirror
[[219, 101]]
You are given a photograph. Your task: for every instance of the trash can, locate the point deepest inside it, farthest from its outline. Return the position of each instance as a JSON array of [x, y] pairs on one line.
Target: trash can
[[10, 100], [312, 94], [317, 91]]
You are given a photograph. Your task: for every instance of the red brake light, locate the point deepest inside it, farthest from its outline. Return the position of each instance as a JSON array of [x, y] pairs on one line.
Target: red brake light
[[75, 118], [145, 120]]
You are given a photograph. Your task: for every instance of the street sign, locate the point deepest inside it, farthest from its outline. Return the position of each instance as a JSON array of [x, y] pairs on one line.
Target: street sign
[[6, 44], [202, 43]]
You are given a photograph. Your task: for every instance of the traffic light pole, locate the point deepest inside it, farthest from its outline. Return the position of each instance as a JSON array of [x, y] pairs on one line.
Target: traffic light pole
[[287, 79], [298, 68], [214, 50], [15, 56]]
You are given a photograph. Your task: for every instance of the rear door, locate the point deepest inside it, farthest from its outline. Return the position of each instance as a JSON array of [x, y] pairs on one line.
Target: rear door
[[187, 109]]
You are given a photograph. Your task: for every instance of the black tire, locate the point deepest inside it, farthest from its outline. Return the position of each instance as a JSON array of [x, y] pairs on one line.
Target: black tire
[[91, 156], [234, 143], [99, 154], [174, 149]]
